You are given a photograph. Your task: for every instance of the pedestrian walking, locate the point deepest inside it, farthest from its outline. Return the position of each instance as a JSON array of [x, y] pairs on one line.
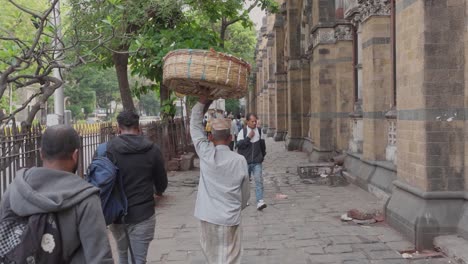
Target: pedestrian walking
[[251, 145], [223, 190], [72, 205], [141, 166], [234, 131]]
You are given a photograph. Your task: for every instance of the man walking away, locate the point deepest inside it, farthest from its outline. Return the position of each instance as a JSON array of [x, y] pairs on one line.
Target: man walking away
[[54, 188], [223, 190], [251, 145], [234, 132], [141, 166]]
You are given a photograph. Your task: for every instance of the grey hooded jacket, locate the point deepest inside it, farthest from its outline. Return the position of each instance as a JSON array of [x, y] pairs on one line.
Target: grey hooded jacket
[[78, 207]]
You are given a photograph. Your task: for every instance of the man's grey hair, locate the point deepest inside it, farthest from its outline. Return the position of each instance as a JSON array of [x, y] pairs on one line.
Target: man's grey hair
[[219, 135]]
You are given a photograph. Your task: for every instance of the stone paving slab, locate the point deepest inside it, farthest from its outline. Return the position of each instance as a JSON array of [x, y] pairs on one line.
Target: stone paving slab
[[304, 228]]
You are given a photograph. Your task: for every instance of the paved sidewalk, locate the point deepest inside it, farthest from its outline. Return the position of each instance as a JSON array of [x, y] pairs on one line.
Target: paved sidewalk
[[304, 228]]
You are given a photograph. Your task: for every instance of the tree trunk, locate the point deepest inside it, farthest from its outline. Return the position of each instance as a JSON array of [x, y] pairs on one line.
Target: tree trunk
[[163, 94], [121, 67], [222, 33]]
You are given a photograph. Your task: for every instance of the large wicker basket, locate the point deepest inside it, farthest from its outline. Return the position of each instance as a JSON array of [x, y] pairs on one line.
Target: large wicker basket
[[206, 72]]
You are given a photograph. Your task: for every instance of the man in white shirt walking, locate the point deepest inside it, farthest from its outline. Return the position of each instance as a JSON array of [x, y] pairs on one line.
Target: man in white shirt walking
[[223, 190], [251, 145]]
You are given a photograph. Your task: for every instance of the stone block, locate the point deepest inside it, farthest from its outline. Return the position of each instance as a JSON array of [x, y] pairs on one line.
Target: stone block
[[186, 161], [173, 165]]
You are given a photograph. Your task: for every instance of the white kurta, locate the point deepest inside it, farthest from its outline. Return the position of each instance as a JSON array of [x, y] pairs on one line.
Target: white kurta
[[224, 178], [223, 192]]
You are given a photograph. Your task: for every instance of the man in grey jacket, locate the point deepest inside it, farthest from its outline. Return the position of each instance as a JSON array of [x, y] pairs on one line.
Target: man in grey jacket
[[55, 188], [223, 190]]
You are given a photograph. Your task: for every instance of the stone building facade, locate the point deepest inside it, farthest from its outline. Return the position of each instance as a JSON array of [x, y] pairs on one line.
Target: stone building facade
[[383, 81]]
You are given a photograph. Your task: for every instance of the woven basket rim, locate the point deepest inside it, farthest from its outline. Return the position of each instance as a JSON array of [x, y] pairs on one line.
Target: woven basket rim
[[213, 52]]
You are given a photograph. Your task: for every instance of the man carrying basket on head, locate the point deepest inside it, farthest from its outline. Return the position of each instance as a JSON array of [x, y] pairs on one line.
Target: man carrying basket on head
[[223, 190]]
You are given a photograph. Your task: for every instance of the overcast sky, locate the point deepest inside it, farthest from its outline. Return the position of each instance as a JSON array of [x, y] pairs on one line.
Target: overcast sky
[[256, 15]]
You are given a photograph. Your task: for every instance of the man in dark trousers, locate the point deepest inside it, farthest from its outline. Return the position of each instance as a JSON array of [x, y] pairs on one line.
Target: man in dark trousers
[[141, 166], [251, 145], [56, 188]]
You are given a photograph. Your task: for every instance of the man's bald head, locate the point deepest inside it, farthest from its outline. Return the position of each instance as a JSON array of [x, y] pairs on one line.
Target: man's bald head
[[59, 142]]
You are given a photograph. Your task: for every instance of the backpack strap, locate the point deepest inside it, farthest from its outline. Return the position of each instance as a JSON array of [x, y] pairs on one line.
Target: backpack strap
[[245, 132]]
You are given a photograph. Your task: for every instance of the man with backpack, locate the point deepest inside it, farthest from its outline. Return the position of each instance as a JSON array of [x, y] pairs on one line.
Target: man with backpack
[[223, 190], [251, 145], [51, 215], [141, 166]]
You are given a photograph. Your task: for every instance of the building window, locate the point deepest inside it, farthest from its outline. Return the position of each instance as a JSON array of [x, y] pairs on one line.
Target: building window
[[339, 10], [392, 133]]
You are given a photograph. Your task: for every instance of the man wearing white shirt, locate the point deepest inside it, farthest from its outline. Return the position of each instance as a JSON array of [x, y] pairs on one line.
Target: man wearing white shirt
[[223, 190], [251, 145]]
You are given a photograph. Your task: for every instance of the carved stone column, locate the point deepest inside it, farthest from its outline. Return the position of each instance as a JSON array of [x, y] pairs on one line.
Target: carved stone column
[[280, 80], [294, 138], [430, 197]]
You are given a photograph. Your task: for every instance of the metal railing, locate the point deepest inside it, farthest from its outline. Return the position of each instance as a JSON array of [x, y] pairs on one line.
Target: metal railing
[[19, 148]]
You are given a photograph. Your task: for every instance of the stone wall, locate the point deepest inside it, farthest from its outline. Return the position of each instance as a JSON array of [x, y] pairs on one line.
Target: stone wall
[[308, 82]]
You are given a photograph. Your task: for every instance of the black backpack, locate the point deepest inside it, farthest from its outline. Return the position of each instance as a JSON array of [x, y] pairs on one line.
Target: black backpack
[[34, 239]]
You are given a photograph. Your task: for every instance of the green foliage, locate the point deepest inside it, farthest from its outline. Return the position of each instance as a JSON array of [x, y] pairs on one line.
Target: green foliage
[[155, 43], [89, 87], [122, 22], [149, 104], [232, 106], [241, 42], [15, 23], [229, 10], [168, 109]]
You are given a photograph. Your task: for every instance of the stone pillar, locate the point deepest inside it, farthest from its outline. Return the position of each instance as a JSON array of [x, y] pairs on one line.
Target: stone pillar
[[430, 194], [344, 84], [377, 80], [305, 97], [264, 120], [294, 138], [323, 76], [280, 81], [271, 86]]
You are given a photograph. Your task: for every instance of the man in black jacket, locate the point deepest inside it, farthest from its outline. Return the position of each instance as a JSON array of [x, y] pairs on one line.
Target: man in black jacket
[[251, 145], [141, 165]]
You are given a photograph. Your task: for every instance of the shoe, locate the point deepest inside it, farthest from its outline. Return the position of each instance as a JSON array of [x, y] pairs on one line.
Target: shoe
[[261, 205]]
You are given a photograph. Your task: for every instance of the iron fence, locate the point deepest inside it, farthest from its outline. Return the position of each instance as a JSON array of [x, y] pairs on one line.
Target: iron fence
[[19, 148]]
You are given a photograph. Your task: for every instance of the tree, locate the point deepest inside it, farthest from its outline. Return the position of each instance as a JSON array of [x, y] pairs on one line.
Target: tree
[[225, 13], [241, 42], [149, 104], [89, 87], [232, 106], [124, 21], [29, 51]]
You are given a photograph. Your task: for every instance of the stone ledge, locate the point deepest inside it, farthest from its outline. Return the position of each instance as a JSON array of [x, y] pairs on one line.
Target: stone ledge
[[453, 246], [375, 177], [421, 220], [280, 135]]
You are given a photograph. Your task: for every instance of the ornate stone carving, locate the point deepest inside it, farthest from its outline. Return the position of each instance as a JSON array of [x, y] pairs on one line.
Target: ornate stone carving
[[358, 11], [350, 7], [331, 35], [343, 32], [368, 8], [323, 36]]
